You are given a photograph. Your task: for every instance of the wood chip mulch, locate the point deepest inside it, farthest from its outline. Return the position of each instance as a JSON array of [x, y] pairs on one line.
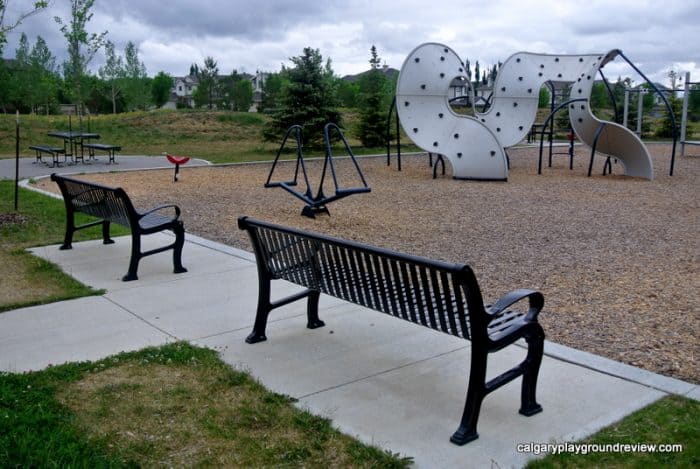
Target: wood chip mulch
[[616, 257]]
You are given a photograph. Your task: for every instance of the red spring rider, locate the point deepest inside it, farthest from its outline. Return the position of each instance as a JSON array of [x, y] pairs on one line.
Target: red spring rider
[[177, 161]]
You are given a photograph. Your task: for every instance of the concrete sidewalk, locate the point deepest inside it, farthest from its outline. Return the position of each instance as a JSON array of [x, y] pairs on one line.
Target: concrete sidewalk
[[29, 168], [385, 381]]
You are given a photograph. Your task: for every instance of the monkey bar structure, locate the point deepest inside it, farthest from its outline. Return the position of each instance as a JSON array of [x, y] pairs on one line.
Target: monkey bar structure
[[476, 145]]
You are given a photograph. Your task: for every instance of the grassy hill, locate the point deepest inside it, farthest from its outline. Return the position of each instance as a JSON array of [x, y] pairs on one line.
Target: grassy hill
[[219, 136]]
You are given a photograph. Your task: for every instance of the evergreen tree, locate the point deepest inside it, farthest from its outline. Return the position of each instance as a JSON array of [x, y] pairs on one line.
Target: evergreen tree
[[666, 129], [372, 128], [136, 82], [599, 97], [207, 90], [307, 100], [237, 92], [20, 84], [45, 78], [160, 88], [272, 92], [544, 97], [694, 103]]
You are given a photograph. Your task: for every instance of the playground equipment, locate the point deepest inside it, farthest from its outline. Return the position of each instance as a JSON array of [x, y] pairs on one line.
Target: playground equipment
[[316, 203], [177, 161], [684, 116], [476, 145]]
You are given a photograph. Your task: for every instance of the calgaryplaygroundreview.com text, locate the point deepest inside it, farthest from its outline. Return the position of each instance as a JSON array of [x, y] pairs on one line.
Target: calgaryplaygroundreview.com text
[[585, 448]]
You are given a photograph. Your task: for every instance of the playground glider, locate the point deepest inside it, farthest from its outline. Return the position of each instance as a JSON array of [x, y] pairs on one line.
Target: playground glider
[[476, 145], [317, 203]]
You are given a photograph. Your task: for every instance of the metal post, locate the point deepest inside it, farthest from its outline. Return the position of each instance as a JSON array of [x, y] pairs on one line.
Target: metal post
[[684, 114], [625, 112], [640, 108], [668, 106], [17, 161]]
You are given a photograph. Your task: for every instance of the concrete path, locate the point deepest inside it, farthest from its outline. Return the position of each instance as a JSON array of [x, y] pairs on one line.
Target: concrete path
[[29, 168], [385, 381]]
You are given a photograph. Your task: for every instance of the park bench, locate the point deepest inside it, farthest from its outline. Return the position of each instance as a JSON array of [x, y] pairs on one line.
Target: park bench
[[55, 152], [442, 296], [113, 205], [109, 148]]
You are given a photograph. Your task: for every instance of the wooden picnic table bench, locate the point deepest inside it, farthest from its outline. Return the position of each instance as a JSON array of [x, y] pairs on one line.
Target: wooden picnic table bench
[[111, 204], [107, 147], [55, 153], [442, 296]]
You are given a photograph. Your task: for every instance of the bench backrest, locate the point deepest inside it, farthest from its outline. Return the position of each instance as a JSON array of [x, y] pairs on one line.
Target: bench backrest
[[439, 295], [94, 199]]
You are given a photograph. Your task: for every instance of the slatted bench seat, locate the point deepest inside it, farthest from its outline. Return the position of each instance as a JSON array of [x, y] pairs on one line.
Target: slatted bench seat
[[55, 153], [109, 148], [442, 296], [113, 205]]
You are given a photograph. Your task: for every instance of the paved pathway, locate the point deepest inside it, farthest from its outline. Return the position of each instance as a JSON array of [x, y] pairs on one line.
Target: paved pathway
[[385, 381], [29, 168]]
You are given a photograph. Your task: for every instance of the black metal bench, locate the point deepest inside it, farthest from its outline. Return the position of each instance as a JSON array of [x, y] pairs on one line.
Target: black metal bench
[[55, 152], [442, 296], [113, 205], [110, 149]]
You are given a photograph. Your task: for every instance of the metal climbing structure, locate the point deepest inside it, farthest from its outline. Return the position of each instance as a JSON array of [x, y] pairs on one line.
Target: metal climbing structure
[[476, 145], [317, 203]]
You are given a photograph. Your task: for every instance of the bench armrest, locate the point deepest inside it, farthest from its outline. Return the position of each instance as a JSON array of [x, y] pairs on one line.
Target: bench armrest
[[512, 297], [161, 207]]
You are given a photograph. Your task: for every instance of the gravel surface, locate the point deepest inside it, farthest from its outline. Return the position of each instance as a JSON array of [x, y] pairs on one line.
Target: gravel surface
[[616, 257]]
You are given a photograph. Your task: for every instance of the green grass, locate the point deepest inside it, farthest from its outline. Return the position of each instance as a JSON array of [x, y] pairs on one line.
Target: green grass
[[45, 219], [41, 221], [113, 413], [672, 420], [218, 136]]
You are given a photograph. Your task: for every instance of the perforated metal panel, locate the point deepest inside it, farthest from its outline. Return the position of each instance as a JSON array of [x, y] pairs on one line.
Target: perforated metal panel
[[424, 112], [474, 146]]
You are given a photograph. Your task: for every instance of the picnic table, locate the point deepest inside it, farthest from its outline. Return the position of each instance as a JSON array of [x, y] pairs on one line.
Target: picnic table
[[73, 139]]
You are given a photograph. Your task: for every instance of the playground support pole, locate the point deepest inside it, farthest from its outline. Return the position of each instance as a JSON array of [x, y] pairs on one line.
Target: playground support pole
[[17, 161], [640, 108], [684, 114], [626, 107]]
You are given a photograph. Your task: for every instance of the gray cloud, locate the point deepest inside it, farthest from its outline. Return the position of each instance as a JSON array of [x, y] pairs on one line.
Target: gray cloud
[[248, 35]]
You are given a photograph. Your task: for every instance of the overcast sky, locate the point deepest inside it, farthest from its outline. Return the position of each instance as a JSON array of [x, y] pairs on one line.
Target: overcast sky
[[262, 35]]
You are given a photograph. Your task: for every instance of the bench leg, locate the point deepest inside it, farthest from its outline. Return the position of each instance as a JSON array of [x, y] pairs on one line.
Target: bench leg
[[70, 229], [264, 308], [135, 258], [475, 396], [535, 350], [313, 322], [105, 233], [179, 231]]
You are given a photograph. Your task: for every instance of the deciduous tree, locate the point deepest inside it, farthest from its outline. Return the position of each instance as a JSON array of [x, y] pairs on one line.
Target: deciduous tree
[[113, 73], [82, 47], [8, 24]]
